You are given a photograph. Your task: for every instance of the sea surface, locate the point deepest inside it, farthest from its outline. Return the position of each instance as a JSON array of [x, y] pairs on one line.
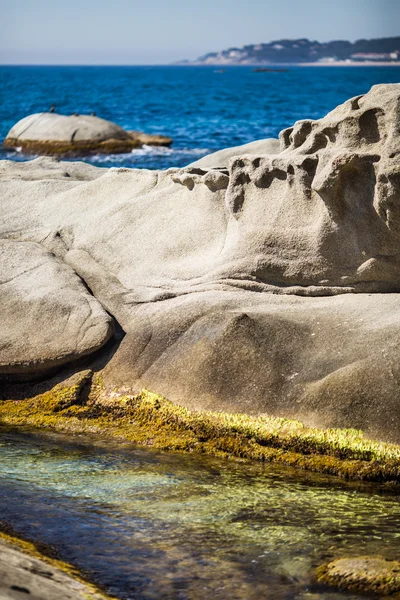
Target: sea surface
[[149, 525], [202, 108]]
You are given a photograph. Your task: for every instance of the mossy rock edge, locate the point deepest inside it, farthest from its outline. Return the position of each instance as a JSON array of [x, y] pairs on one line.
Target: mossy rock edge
[[365, 574], [133, 141], [71, 149], [82, 405]]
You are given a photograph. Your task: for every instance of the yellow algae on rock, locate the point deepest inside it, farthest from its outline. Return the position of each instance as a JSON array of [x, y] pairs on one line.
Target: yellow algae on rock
[[362, 574], [81, 404]]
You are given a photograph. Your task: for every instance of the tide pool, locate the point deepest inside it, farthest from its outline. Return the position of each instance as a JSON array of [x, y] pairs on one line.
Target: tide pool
[[150, 525]]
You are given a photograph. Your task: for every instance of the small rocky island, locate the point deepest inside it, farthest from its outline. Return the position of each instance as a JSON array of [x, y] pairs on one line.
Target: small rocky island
[[53, 134]]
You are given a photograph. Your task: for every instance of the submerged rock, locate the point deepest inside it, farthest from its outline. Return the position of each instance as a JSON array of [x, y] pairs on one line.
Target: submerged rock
[[365, 574], [61, 135], [268, 287]]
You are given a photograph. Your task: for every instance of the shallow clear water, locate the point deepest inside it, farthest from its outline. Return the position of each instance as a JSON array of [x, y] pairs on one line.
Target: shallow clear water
[[200, 108], [152, 525]]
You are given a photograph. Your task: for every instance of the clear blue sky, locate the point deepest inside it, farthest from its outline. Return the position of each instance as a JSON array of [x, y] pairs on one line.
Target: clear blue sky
[[162, 31]]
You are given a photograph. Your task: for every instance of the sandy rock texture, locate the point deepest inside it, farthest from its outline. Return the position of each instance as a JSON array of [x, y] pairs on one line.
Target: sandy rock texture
[[62, 135], [45, 305], [23, 576], [271, 286]]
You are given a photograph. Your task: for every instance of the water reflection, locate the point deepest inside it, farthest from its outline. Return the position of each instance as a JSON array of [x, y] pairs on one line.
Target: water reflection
[[152, 525]]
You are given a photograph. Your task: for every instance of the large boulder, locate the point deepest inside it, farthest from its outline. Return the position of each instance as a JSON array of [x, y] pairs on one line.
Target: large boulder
[[49, 316], [268, 287], [51, 133]]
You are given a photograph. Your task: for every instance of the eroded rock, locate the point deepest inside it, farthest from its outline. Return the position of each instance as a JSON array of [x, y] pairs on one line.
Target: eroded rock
[[36, 578], [271, 286]]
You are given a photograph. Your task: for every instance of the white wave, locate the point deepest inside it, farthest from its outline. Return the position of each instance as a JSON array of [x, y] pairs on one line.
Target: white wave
[[164, 151], [148, 151], [137, 157]]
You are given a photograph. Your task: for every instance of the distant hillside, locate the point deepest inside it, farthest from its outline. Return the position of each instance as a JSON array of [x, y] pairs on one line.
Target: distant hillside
[[306, 51]]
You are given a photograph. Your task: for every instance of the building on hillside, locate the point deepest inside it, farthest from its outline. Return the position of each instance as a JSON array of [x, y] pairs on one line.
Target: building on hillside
[[387, 56]]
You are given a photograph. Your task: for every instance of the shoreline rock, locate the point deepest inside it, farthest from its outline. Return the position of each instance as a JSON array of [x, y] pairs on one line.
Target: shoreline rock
[[25, 572], [52, 134], [33, 302], [363, 574], [268, 287]]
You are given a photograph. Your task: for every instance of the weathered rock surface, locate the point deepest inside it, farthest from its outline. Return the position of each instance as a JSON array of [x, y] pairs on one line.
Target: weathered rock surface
[[222, 157], [23, 576], [62, 135], [271, 286], [61, 128], [50, 316], [365, 574]]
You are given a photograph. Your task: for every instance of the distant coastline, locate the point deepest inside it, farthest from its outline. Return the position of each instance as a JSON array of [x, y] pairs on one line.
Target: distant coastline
[[337, 63], [350, 63], [301, 52]]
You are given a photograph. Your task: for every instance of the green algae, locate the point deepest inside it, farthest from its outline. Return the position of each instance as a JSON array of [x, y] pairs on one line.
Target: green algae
[[80, 404], [76, 148], [132, 140]]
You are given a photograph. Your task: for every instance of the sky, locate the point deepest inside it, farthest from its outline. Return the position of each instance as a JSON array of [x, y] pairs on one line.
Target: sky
[[163, 31]]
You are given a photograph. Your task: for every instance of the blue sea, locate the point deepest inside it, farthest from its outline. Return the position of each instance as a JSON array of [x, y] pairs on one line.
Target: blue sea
[[201, 108]]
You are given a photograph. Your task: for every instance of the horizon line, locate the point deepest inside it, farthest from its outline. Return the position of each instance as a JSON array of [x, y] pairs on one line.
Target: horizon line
[[209, 65]]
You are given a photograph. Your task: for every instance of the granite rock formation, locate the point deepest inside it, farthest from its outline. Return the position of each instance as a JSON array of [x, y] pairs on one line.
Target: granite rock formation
[[75, 135], [271, 286]]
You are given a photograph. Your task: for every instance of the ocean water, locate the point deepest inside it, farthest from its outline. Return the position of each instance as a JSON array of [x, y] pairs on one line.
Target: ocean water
[[201, 108]]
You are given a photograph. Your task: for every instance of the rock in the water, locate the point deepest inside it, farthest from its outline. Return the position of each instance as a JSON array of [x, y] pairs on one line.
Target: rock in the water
[[365, 574], [147, 139], [222, 157], [62, 135], [269, 287]]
